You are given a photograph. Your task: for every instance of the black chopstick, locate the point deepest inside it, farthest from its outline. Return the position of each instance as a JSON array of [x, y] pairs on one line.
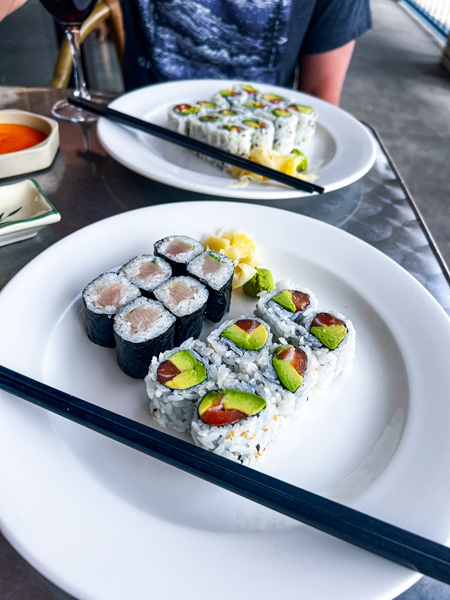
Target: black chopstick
[[386, 540], [182, 140]]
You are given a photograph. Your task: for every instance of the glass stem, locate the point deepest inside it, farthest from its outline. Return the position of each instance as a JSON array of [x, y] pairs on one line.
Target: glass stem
[[73, 35]]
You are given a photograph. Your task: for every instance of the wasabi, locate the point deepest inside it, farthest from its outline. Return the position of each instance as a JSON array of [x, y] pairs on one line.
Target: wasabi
[[261, 281]]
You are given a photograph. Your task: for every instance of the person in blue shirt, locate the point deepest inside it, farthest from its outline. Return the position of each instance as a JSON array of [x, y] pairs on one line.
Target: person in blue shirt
[[306, 44]]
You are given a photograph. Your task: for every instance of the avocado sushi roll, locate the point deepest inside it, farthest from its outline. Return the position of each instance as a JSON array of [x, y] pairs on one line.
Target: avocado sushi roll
[[241, 343], [142, 329], [306, 121], [285, 125], [102, 298], [332, 339], [180, 116], [228, 97], [178, 251], [288, 374], [284, 307], [176, 380], [215, 271], [147, 272], [186, 298], [235, 422], [263, 132]]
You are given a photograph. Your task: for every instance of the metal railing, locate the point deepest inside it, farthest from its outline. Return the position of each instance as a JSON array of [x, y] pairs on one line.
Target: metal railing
[[436, 13]]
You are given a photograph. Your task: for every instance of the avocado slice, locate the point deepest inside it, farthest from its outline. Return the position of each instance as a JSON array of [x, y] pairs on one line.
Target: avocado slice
[[273, 98], [253, 105], [281, 112], [227, 406], [328, 329], [187, 371], [187, 109], [255, 124], [249, 89], [290, 364], [206, 104], [210, 118], [228, 112], [247, 334], [226, 93], [284, 299], [304, 164]]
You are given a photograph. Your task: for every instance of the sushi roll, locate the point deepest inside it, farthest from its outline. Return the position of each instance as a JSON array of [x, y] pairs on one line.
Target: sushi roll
[[178, 250], [202, 129], [263, 133], [246, 93], [177, 379], [142, 329], [229, 97], [102, 298], [186, 298], [207, 106], [332, 339], [147, 272], [235, 423], [288, 375], [306, 122], [180, 116], [274, 100], [285, 124], [241, 343], [215, 271], [283, 308]]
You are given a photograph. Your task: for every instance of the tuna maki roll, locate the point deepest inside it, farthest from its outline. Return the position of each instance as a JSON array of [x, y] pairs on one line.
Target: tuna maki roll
[[176, 380], [235, 423], [215, 271], [283, 308], [142, 329], [178, 251], [180, 117], [186, 298], [332, 339], [241, 343], [102, 298], [147, 272]]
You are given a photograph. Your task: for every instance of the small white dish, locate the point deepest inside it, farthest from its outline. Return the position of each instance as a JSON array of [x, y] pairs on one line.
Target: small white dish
[[37, 157], [24, 210]]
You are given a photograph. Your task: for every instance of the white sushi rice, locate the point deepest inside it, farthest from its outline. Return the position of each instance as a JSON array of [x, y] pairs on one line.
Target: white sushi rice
[[283, 322], [157, 320], [93, 292], [132, 270], [173, 408], [217, 279], [245, 441], [197, 298], [237, 358], [331, 363]]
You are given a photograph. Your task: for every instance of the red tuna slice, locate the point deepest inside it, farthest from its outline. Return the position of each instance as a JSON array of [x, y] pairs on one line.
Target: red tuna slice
[[248, 325], [296, 357], [167, 371], [300, 300]]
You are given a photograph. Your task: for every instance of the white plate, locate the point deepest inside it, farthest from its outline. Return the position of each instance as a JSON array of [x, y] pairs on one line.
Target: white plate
[[105, 522], [341, 151]]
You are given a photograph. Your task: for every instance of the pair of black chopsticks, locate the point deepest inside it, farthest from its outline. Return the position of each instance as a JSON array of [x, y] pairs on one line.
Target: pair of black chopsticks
[[186, 142], [369, 533]]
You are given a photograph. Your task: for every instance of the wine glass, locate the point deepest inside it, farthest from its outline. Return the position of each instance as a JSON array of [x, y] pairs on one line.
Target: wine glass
[[71, 14]]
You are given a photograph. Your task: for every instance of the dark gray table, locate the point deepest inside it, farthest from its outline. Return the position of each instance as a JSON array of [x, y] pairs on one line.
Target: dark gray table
[[86, 185]]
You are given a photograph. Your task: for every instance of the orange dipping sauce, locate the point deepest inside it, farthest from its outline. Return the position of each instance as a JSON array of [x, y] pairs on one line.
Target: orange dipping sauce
[[14, 138]]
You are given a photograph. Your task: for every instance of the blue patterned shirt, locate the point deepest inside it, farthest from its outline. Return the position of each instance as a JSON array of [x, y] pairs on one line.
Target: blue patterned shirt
[[253, 40]]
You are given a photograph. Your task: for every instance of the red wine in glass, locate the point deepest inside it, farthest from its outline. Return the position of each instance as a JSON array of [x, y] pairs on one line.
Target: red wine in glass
[[71, 13]]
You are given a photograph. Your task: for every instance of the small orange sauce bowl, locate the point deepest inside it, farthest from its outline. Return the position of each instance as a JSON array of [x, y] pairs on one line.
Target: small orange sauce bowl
[[36, 157]]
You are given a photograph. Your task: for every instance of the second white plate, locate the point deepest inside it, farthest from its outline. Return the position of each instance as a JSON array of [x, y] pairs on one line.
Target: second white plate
[[341, 152]]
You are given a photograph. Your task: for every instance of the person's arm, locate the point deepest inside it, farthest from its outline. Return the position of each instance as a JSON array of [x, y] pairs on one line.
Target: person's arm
[[8, 6], [322, 75]]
